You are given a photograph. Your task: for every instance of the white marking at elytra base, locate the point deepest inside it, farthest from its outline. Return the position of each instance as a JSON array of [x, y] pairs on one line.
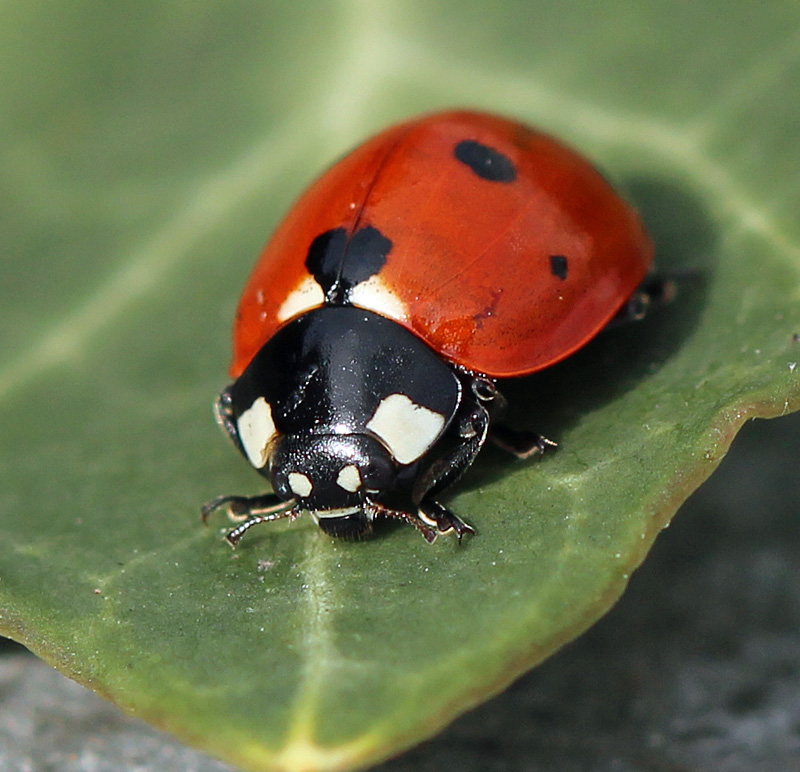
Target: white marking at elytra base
[[349, 478], [300, 484], [307, 295], [374, 294], [256, 431], [406, 428]]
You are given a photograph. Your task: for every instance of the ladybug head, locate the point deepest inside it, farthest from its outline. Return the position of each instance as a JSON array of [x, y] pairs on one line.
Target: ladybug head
[[333, 476]]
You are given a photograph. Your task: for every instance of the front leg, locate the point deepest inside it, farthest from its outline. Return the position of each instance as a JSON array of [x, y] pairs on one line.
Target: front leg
[[444, 471], [241, 508], [443, 519], [249, 511]]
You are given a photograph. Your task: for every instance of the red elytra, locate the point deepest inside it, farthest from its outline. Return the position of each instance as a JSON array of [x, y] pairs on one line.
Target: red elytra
[[503, 278]]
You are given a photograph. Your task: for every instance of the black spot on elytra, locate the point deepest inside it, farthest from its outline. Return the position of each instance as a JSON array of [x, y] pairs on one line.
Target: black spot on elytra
[[325, 255], [485, 161], [559, 266], [339, 262]]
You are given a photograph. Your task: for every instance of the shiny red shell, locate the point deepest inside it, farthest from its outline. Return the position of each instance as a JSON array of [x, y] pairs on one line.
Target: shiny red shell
[[471, 269]]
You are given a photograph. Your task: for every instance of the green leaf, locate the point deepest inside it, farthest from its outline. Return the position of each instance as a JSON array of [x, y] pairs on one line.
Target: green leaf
[[147, 152]]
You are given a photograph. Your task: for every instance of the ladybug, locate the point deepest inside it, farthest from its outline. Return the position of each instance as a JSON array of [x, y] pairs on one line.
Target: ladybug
[[443, 254]]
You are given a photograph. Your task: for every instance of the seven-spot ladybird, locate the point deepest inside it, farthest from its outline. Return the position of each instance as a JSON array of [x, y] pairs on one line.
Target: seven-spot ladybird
[[444, 253]]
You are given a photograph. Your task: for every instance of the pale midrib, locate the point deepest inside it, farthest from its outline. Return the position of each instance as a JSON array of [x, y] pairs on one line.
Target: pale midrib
[[321, 659], [317, 636]]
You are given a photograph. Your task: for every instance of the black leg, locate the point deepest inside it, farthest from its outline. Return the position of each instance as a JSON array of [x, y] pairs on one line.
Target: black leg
[[444, 471], [443, 519], [374, 509], [233, 537], [522, 444], [250, 511], [656, 290], [240, 508]]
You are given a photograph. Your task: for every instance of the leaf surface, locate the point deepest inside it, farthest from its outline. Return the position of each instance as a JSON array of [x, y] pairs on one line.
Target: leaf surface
[[148, 153]]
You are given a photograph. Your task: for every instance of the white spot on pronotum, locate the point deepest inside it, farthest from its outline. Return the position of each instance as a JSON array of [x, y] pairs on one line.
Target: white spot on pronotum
[[256, 431], [300, 484], [349, 478], [307, 295], [407, 429], [375, 295]]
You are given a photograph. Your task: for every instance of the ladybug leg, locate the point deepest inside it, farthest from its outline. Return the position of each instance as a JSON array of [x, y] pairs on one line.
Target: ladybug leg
[[375, 508], [241, 508], [233, 537], [655, 291], [523, 444], [444, 471], [443, 519], [250, 511]]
